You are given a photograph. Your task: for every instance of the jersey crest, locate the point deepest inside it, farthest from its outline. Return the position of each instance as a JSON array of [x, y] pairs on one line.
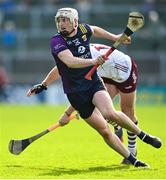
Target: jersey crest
[[84, 37]]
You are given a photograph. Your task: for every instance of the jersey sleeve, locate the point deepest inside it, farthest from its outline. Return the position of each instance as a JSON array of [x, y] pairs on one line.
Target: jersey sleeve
[[87, 26], [57, 45]]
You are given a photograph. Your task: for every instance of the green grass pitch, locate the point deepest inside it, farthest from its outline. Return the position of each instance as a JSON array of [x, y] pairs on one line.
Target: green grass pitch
[[75, 151]]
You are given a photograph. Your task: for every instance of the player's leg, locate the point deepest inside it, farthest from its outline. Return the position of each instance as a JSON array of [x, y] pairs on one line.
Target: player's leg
[[113, 92], [127, 91], [97, 121], [103, 102], [82, 102], [127, 103]]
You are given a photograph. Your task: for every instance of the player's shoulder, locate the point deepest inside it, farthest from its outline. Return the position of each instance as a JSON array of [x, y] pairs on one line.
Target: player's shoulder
[[57, 43], [84, 25], [85, 28], [57, 36]]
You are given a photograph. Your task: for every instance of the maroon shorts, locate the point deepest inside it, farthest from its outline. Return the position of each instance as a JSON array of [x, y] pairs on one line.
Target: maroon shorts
[[130, 84]]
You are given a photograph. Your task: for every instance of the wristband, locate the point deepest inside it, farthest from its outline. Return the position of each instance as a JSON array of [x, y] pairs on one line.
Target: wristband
[[44, 84]]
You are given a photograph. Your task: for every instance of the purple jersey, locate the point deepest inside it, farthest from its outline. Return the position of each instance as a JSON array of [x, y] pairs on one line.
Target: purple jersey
[[73, 78]]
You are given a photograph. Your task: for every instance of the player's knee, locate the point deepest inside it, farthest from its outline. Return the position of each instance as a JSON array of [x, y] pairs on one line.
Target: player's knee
[[111, 115], [105, 133]]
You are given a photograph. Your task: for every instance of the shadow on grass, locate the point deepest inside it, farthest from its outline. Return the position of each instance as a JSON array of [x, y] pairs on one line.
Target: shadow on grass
[[59, 171], [72, 171], [15, 166]]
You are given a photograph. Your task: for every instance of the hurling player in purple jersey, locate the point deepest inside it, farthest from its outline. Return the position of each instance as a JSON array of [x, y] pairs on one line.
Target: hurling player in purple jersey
[[71, 52]]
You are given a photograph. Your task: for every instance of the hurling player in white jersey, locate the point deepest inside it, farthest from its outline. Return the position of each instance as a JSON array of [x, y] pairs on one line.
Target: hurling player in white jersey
[[119, 74]]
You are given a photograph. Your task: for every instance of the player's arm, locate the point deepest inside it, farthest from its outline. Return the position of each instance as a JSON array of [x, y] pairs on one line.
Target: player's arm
[[52, 76], [75, 62], [65, 117], [102, 33]]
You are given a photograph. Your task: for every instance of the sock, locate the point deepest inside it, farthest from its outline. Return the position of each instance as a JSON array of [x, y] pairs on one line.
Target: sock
[[115, 125], [132, 159], [144, 137], [154, 141], [132, 141]]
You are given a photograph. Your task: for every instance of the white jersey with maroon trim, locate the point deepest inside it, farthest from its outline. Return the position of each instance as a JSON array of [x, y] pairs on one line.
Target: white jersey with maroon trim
[[117, 67]]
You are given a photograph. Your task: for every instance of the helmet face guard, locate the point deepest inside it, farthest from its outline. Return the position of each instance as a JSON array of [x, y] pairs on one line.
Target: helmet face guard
[[69, 13]]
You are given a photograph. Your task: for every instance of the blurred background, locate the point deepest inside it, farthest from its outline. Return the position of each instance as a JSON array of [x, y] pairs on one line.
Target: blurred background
[[26, 27]]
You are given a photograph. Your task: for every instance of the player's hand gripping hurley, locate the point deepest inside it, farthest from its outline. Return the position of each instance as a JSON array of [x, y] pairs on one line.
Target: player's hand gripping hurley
[[18, 146], [135, 22]]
